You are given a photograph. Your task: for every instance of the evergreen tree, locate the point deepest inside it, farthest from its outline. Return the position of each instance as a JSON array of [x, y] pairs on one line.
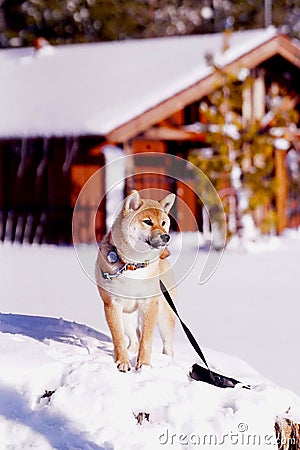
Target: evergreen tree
[[239, 159]]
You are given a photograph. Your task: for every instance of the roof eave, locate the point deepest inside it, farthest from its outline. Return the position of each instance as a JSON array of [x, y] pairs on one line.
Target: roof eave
[[279, 44]]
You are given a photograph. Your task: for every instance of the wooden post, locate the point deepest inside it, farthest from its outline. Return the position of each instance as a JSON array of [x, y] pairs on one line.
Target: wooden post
[[287, 434], [187, 206], [282, 189], [89, 225], [247, 106], [259, 95]]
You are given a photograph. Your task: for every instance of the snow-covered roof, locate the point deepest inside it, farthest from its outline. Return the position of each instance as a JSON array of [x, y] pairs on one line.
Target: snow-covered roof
[[94, 88]]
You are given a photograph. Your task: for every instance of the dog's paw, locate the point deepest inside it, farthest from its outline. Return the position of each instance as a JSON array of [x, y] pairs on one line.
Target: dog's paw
[[168, 350], [123, 366], [141, 363]]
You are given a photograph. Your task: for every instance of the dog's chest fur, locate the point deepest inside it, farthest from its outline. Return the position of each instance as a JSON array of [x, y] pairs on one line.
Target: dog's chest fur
[[136, 285], [131, 285]]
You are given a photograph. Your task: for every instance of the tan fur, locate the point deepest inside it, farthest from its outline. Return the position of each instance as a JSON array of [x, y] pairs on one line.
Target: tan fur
[[135, 295]]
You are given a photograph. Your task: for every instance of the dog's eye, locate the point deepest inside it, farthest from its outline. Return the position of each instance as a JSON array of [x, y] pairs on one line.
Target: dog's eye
[[148, 222], [163, 223]]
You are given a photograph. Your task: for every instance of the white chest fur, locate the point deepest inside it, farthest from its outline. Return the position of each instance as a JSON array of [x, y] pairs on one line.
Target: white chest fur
[[138, 284], [143, 273]]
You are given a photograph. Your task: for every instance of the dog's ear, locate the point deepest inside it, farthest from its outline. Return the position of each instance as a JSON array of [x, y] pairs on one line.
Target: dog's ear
[[167, 202], [132, 202]]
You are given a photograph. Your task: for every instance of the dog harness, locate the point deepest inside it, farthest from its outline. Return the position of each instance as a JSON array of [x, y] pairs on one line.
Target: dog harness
[[113, 257]]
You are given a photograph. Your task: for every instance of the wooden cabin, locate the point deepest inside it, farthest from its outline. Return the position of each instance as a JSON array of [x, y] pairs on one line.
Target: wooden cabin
[[61, 106]]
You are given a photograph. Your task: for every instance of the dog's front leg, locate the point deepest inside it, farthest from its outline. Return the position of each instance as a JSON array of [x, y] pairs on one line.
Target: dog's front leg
[[113, 313], [149, 312]]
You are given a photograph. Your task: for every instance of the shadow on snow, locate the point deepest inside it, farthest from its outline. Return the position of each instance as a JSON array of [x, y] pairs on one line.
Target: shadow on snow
[[52, 427], [59, 330]]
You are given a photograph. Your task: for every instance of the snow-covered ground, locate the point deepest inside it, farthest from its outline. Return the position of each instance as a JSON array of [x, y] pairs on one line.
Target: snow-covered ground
[[53, 337]]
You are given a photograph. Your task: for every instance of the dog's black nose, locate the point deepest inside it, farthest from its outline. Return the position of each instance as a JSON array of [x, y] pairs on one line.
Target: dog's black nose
[[165, 238]]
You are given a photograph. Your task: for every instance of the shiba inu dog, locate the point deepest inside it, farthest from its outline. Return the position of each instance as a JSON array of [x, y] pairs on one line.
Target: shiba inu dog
[[131, 261]]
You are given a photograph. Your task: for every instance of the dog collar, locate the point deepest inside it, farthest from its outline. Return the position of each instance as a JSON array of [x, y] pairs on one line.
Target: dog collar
[[113, 257]]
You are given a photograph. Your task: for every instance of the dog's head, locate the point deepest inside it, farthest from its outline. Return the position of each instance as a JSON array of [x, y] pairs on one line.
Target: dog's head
[[147, 221]]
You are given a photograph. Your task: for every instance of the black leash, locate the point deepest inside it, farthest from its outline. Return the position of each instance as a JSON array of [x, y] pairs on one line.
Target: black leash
[[200, 373]]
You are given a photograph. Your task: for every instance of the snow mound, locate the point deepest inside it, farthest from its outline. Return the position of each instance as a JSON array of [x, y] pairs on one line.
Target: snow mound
[[60, 389]]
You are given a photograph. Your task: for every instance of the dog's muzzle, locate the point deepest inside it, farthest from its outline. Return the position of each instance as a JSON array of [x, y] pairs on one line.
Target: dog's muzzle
[[165, 238], [158, 240]]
